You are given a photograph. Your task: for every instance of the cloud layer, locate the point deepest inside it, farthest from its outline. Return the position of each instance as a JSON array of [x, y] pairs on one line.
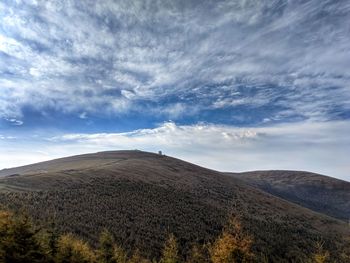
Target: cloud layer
[[317, 147], [238, 62]]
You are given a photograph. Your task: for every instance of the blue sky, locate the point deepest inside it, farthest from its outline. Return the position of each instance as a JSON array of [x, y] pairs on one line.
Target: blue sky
[[231, 85]]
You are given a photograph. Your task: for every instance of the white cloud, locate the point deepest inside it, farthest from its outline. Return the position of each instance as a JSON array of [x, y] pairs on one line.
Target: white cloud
[[83, 115], [15, 121], [3, 137], [66, 52], [316, 147]]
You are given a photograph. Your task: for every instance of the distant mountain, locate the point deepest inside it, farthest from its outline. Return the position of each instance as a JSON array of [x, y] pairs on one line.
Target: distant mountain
[[141, 197], [317, 192]]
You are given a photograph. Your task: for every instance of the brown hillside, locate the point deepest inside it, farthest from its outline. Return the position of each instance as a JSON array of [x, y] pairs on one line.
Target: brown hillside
[[320, 193], [140, 197]]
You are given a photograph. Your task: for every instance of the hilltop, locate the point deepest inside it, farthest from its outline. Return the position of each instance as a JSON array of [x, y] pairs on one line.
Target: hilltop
[[142, 197]]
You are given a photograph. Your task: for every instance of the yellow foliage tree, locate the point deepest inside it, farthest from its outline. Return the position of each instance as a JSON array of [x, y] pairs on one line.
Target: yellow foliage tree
[[233, 246], [119, 255], [170, 252], [105, 252], [73, 250], [19, 240]]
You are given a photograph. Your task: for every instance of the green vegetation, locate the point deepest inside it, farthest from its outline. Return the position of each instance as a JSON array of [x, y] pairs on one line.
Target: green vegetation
[[21, 242]]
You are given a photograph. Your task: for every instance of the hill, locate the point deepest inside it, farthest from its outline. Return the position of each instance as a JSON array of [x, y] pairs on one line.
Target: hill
[[320, 193], [142, 197]]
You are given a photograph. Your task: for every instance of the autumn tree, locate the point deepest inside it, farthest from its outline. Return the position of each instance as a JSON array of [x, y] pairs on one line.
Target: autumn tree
[[73, 250], [233, 245], [119, 255], [170, 252], [19, 240], [105, 252]]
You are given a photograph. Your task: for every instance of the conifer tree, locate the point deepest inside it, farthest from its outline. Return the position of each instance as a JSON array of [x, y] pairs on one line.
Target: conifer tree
[[197, 255], [119, 255], [233, 246], [170, 251], [105, 252], [49, 242], [137, 258], [73, 250], [19, 240]]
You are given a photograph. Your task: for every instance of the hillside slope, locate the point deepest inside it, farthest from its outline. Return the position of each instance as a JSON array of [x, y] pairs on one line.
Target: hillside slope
[[141, 197], [320, 193]]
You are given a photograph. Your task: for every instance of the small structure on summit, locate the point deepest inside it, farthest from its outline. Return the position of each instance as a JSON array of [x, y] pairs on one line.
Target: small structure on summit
[[160, 153]]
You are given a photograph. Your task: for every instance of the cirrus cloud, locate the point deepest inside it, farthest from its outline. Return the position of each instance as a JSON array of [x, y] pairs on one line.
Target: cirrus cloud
[[288, 59]]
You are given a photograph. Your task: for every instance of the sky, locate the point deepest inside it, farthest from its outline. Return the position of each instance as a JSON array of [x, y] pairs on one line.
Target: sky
[[230, 85]]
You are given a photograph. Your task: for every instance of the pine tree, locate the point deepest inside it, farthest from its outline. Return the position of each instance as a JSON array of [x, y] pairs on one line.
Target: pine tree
[[170, 251], [197, 255], [73, 250], [119, 255], [49, 242], [137, 258], [233, 246], [105, 252], [19, 240]]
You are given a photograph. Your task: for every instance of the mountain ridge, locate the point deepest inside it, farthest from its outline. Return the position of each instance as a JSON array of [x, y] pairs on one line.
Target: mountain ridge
[[320, 193], [142, 196]]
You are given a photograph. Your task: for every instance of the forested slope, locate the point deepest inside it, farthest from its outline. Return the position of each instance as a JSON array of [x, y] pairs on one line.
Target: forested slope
[[142, 197], [320, 193]]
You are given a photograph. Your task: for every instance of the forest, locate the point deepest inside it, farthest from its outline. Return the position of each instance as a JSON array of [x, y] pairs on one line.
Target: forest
[[147, 202], [22, 241]]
